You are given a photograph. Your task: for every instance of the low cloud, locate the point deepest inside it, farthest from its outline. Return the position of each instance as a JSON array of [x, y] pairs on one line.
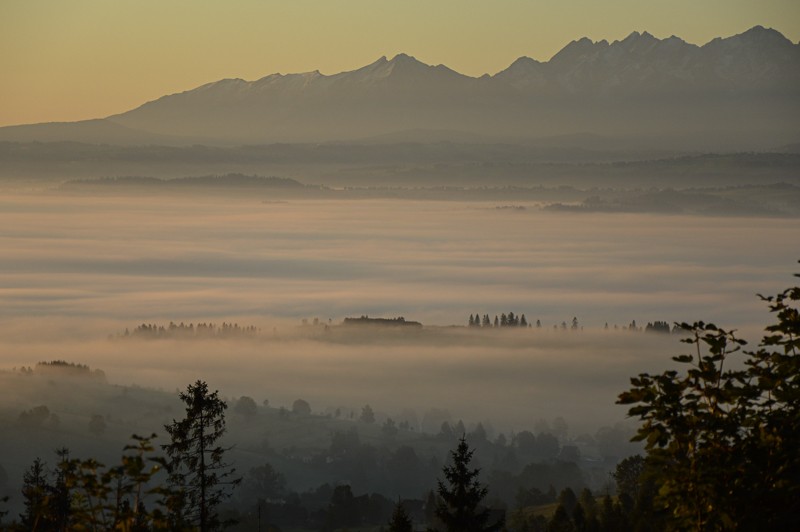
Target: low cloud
[[75, 269]]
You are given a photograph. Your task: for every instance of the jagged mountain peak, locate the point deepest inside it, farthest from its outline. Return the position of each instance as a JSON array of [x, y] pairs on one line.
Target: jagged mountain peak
[[637, 42], [521, 65], [383, 67], [405, 58], [756, 36], [574, 50], [524, 61], [524, 71], [572, 90]]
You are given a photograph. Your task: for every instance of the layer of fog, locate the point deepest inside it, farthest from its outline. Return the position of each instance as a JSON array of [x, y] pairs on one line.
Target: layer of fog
[[149, 259], [509, 379], [74, 270]]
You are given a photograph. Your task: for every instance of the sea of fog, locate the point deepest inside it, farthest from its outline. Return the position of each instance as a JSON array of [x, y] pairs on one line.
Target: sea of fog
[[75, 270]]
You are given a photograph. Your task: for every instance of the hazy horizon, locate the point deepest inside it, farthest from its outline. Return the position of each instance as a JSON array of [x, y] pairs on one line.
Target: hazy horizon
[[88, 59]]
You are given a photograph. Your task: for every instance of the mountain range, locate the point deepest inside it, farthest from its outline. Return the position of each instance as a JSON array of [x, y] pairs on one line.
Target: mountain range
[[739, 92]]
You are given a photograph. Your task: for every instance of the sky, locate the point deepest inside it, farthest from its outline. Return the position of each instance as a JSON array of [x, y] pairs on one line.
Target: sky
[[82, 59]]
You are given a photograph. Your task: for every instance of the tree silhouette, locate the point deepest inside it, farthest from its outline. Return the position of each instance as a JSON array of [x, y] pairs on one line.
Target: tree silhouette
[[459, 508], [35, 490], [246, 407], [198, 474], [400, 521], [367, 415], [343, 509], [301, 407], [86, 495], [725, 437], [263, 483]]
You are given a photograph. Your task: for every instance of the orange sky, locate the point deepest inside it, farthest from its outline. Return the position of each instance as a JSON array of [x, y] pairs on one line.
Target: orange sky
[[79, 59]]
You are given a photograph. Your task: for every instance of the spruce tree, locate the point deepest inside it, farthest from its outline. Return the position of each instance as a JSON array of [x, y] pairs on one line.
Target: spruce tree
[[459, 508], [199, 477], [35, 489], [400, 522]]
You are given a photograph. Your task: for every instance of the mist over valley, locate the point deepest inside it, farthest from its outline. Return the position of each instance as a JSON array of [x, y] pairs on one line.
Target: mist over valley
[[348, 286]]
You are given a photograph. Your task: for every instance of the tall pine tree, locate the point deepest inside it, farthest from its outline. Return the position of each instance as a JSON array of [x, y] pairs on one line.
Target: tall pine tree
[[198, 475], [459, 509], [400, 522]]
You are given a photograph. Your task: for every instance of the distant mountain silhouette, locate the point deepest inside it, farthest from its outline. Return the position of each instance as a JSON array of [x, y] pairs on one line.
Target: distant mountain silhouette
[[740, 92]]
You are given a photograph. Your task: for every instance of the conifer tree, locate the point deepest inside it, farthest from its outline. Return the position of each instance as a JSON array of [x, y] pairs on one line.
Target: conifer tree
[[459, 508], [400, 522], [198, 475], [60, 497], [35, 490]]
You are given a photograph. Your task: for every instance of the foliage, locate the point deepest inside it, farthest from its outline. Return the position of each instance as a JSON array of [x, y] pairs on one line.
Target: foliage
[[35, 490], [69, 368], [389, 428], [459, 508], [301, 407], [722, 437], [246, 407], [265, 483], [198, 474], [367, 415], [35, 417], [184, 331], [90, 496], [505, 320], [400, 522]]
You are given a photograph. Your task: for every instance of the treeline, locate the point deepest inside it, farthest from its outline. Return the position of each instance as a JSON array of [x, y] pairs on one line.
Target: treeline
[[234, 330], [652, 326], [504, 320], [513, 320], [187, 485], [181, 330], [227, 181], [62, 368]]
